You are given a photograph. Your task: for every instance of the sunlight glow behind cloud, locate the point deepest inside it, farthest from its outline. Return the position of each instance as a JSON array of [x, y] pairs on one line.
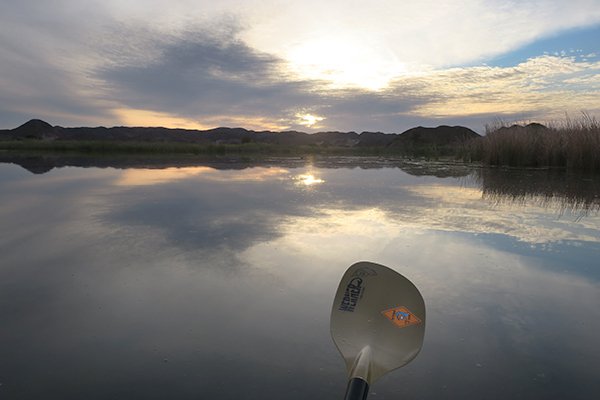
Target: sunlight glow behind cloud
[[309, 120], [131, 117], [365, 44], [344, 63]]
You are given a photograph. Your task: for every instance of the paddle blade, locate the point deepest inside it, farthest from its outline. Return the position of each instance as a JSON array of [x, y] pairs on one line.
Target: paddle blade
[[377, 309]]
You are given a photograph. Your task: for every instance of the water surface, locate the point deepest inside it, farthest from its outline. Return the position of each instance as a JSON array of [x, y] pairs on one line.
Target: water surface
[[215, 279]]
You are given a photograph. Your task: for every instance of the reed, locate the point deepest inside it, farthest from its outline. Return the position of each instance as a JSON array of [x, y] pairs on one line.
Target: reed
[[573, 144]]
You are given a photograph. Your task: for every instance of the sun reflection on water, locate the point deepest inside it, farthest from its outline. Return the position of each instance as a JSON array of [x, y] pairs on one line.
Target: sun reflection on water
[[309, 179]]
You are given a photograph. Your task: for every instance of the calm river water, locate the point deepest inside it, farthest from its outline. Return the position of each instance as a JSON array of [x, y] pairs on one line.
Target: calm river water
[[131, 279]]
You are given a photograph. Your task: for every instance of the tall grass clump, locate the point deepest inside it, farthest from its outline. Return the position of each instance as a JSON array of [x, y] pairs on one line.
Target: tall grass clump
[[583, 143], [573, 144]]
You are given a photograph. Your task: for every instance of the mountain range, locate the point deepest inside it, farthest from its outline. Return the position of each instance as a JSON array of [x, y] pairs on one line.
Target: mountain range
[[441, 135]]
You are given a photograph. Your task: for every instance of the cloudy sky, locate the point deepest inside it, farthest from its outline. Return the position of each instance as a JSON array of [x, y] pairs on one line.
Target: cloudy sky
[[310, 65]]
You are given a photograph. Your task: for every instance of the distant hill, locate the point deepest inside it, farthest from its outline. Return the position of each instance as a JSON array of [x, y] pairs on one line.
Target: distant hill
[[442, 135], [34, 129]]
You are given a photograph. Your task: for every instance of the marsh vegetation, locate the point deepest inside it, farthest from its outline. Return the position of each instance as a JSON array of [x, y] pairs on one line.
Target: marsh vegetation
[[111, 148], [572, 144]]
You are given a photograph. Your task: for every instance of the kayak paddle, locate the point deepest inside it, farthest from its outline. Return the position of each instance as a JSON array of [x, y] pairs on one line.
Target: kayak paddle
[[377, 323]]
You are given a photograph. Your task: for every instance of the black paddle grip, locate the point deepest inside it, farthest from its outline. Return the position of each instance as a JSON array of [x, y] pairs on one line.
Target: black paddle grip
[[357, 389]]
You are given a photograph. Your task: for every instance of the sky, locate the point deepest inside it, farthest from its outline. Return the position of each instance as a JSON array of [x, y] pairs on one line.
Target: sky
[[310, 65]]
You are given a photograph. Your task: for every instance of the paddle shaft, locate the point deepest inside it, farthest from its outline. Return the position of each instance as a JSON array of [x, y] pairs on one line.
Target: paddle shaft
[[357, 389]]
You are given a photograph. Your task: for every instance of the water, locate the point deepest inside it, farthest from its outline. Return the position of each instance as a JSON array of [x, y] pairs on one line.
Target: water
[[153, 279]]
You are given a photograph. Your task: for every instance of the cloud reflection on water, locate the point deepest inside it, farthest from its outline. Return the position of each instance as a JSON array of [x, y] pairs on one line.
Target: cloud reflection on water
[[183, 214], [134, 177]]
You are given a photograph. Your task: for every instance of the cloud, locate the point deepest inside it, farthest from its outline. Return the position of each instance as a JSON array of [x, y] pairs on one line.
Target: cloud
[[425, 33], [203, 73], [260, 65], [538, 86], [45, 60]]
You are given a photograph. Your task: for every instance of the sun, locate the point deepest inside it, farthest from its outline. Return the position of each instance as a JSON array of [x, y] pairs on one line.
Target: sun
[[309, 120]]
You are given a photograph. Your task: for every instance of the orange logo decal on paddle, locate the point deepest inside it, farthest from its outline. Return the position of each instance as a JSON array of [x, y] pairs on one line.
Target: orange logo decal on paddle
[[401, 317]]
